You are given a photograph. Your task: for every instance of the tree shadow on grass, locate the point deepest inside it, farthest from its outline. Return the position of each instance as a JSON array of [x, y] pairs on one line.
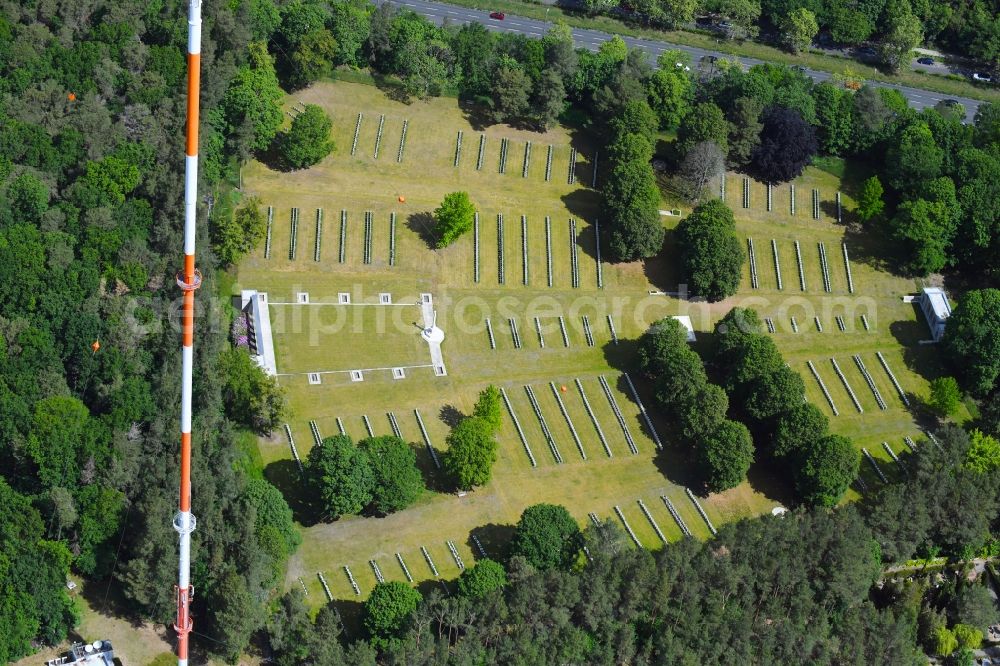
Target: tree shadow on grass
[[583, 204], [495, 539], [450, 415], [422, 224], [285, 476], [434, 479], [351, 615]]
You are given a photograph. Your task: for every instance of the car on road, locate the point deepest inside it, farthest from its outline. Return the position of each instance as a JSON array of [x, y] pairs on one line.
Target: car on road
[[979, 76], [497, 15], [925, 61]]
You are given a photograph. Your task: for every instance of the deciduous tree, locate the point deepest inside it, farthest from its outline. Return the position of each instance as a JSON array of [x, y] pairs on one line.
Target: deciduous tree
[[454, 217], [725, 454], [472, 450], [798, 29], [308, 140], [711, 255], [547, 536], [825, 467], [239, 234], [972, 340], [787, 146], [484, 578], [870, 203], [389, 610], [397, 481], [340, 477]]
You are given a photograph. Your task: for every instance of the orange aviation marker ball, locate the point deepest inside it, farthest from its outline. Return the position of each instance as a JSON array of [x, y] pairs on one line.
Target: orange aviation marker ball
[[95, 346], [563, 388], [402, 199], [71, 97]]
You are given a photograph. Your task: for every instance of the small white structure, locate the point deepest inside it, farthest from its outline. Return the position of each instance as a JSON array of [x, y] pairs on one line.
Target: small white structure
[[98, 653], [934, 304], [686, 323], [254, 303]]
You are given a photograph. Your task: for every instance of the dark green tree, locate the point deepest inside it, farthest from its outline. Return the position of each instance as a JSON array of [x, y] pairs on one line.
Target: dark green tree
[[870, 203], [308, 140], [340, 477], [398, 482], [253, 100], [826, 467], [234, 615], [631, 200], [796, 428], [484, 578], [972, 340], [547, 537], [725, 454], [704, 122], [389, 610], [314, 56], [711, 255], [252, 398], [28, 198], [914, 160], [239, 234]]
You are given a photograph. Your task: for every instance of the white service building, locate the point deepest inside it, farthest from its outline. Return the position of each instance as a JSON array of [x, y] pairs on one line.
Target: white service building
[[936, 308]]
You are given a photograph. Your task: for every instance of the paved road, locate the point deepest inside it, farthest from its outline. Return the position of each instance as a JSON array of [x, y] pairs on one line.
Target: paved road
[[439, 12]]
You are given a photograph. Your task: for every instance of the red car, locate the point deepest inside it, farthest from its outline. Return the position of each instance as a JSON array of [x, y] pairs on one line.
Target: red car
[[497, 15]]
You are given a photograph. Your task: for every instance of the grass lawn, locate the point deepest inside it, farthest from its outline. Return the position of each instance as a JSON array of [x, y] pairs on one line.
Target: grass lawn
[[345, 337]]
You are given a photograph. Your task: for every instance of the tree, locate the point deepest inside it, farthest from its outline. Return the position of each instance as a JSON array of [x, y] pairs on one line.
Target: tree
[[488, 407], [340, 477], [549, 99], [702, 165], [711, 255], [914, 160], [849, 26], [834, 118], [972, 340], [547, 536], [743, 16], [485, 577], [28, 198], [905, 32], [635, 117], [472, 450], [234, 615], [307, 141], [239, 234], [631, 200], [253, 99], [744, 130], [944, 641], [924, 230], [58, 443], [796, 428], [974, 607], [272, 513], [968, 638], [100, 515], [398, 482], [314, 56], [725, 455], [787, 145], [252, 397], [983, 455], [510, 91], [870, 203], [669, 89], [389, 610], [454, 217], [705, 122], [798, 29], [826, 467], [945, 396]]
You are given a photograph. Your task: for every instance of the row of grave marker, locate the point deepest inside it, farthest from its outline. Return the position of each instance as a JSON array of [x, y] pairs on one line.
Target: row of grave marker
[[516, 337], [504, 151], [791, 198], [477, 543], [824, 265], [859, 362]]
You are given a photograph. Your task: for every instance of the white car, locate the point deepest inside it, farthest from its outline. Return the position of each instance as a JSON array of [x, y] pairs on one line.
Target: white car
[[977, 76]]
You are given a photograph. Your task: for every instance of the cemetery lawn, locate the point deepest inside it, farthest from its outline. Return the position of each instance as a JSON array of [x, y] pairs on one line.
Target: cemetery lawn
[[361, 183]]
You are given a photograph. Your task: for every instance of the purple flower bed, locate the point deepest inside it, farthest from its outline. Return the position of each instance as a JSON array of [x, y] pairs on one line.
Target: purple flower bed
[[239, 332]]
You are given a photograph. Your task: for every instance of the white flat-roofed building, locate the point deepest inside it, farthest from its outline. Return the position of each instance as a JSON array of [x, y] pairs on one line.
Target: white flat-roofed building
[[686, 323], [936, 308], [262, 346]]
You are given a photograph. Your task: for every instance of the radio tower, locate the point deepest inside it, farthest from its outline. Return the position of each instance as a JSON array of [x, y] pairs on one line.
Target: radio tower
[[188, 280]]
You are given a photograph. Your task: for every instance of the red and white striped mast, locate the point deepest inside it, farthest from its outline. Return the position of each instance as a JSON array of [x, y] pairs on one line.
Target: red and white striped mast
[[188, 280]]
